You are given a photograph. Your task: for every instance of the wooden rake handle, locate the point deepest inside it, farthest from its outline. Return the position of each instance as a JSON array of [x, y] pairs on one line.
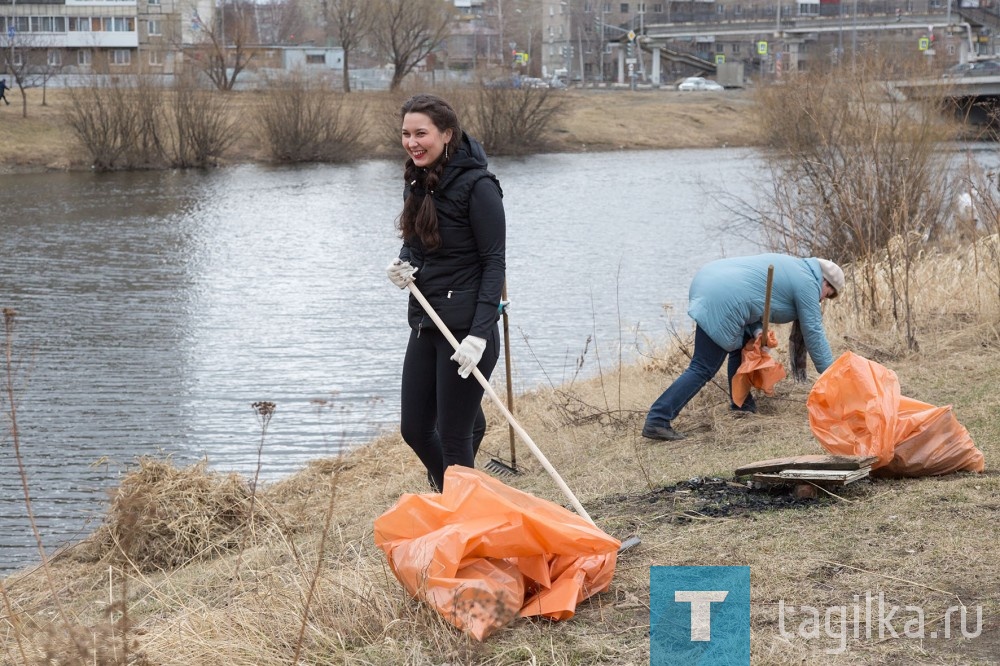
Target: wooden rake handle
[[506, 412], [767, 304], [510, 386]]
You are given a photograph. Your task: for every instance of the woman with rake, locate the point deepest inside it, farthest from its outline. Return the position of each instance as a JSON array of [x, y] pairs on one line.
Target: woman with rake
[[454, 246]]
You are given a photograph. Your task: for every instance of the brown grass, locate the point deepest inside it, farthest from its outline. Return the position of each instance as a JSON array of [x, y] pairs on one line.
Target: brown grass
[[920, 542], [594, 120]]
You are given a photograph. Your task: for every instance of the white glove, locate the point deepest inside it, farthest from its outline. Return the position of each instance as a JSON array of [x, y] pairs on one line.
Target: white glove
[[400, 273], [468, 354]]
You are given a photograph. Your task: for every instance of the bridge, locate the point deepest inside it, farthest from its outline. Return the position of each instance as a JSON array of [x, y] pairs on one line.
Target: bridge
[[668, 41]]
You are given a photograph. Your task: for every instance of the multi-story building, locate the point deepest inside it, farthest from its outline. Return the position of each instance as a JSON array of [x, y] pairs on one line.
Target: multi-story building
[[85, 36]]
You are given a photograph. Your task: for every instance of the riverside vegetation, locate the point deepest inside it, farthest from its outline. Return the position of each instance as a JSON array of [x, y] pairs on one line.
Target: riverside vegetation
[[193, 566]]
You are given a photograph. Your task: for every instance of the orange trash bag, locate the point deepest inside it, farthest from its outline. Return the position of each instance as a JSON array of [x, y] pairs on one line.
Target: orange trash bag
[[855, 408], [482, 553], [758, 370]]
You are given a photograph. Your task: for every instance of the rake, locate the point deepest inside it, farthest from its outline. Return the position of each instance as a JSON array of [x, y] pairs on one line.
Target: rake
[[629, 542], [499, 466], [503, 408]]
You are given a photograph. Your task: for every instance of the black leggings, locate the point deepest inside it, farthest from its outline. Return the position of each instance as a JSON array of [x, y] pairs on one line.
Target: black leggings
[[441, 416]]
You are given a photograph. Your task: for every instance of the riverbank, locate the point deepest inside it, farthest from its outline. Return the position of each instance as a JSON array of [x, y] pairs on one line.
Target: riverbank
[[201, 588], [594, 120]]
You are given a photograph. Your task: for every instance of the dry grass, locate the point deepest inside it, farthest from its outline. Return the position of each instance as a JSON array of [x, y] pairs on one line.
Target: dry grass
[[920, 542], [594, 120]]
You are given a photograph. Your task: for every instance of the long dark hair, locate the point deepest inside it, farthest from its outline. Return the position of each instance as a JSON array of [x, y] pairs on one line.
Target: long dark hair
[[419, 216]]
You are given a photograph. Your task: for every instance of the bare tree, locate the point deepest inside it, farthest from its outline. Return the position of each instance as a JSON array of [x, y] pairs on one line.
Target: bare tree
[[351, 22], [226, 45], [407, 31], [16, 57], [45, 63], [281, 22]]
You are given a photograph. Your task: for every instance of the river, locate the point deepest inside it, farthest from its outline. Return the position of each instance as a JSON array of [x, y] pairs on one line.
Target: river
[[154, 308]]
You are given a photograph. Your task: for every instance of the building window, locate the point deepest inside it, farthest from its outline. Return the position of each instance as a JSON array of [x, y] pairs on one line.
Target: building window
[[657, 9], [152, 2], [118, 24], [738, 10], [54, 58], [48, 24], [120, 57], [720, 48], [84, 57], [22, 24], [154, 27], [77, 24], [18, 58], [155, 58], [624, 8], [720, 9], [736, 48], [315, 59]]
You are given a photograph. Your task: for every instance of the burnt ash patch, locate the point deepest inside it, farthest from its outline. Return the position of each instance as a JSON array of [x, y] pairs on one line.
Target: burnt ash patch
[[709, 497]]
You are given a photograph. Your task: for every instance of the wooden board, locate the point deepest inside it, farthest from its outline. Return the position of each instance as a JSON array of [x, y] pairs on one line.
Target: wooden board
[[818, 461], [823, 477]]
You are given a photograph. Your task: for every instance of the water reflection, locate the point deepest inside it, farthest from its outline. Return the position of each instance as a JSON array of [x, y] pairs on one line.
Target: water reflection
[[154, 308]]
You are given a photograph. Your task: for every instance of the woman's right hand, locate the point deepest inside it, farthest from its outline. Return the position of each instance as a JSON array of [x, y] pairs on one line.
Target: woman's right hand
[[400, 273]]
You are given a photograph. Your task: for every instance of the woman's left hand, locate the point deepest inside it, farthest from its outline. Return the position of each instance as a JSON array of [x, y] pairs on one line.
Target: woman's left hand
[[468, 354]]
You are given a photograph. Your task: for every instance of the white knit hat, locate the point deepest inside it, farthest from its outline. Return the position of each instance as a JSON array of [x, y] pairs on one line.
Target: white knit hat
[[833, 274]]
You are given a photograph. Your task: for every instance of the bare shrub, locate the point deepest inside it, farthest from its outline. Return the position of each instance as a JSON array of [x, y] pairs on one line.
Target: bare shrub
[[514, 121], [857, 175], [102, 121], [304, 120], [204, 125]]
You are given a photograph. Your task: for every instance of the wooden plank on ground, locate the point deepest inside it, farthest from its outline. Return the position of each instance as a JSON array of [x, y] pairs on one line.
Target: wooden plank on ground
[[815, 461], [818, 476]]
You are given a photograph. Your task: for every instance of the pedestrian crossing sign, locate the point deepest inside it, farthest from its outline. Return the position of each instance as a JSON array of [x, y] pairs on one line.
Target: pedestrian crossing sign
[[761, 48]]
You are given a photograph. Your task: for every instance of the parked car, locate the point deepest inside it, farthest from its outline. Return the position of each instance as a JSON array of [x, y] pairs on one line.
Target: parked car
[[532, 82], [974, 68], [698, 83]]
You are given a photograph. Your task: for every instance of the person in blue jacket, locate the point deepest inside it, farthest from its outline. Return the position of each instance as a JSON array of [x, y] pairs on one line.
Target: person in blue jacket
[[727, 304]]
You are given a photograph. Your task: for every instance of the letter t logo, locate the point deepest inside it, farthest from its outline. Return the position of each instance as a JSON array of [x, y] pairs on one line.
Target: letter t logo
[[701, 610]]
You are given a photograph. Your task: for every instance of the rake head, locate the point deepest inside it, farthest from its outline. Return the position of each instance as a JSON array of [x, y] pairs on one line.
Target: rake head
[[501, 468]]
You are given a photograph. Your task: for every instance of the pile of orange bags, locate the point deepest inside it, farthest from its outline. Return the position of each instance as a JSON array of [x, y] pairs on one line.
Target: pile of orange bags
[[855, 408], [482, 553], [757, 369]]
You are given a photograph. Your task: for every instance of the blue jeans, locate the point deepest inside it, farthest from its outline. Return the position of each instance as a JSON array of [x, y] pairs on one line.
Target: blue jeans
[[705, 362]]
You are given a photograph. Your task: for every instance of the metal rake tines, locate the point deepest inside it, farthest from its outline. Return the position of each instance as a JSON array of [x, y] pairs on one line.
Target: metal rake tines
[[500, 468]]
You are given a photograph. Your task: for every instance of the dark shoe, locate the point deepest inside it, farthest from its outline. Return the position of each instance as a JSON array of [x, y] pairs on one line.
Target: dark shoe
[[662, 433]]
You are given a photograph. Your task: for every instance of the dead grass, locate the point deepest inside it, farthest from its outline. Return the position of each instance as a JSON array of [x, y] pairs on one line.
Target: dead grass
[[595, 120], [919, 542]]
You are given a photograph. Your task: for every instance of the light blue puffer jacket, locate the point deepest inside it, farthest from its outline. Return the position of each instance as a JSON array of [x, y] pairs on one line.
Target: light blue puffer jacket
[[727, 299]]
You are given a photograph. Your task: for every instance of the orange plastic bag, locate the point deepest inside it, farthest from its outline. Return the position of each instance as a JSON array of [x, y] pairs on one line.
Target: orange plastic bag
[[855, 408], [758, 370], [476, 551]]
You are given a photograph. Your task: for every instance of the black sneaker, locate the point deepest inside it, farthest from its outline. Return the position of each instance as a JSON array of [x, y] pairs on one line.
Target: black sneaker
[[662, 433]]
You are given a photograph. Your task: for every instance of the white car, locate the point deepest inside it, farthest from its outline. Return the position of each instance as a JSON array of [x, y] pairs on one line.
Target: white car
[[698, 83]]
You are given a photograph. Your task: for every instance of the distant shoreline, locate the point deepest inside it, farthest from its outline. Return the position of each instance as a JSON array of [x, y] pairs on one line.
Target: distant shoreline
[[595, 120]]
